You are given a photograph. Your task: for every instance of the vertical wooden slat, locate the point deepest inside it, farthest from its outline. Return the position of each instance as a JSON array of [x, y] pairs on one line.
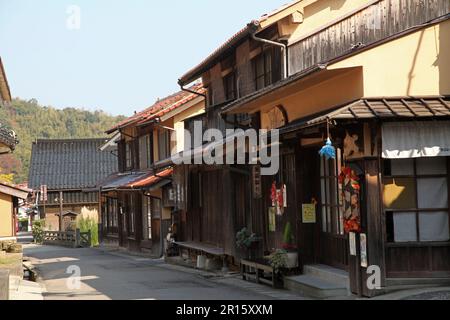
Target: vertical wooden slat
[[371, 24]]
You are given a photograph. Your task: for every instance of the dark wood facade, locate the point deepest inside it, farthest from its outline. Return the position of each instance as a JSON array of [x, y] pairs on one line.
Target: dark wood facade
[[374, 23]]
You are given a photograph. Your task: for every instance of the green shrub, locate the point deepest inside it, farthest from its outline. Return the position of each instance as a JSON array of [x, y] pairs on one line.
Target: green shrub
[[38, 231], [86, 224], [278, 261], [245, 239]]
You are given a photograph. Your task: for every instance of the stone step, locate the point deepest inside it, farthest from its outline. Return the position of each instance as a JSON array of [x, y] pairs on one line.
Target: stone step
[[315, 287], [328, 273]]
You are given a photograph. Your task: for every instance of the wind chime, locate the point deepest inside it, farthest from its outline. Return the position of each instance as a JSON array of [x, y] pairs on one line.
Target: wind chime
[[328, 150]]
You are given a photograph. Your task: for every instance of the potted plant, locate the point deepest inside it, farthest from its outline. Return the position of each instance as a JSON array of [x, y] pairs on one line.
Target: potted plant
[[278, 261], [290, 247], [245, 240]]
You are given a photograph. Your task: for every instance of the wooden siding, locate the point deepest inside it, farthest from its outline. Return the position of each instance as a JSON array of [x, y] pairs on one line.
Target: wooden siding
[[374, 23]]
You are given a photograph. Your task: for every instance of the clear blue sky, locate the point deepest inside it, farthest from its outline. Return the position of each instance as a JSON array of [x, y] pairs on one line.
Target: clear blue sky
[[126, 54]]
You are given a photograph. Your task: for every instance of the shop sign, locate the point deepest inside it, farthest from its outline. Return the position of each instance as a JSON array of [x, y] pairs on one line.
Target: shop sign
[[309, 213]]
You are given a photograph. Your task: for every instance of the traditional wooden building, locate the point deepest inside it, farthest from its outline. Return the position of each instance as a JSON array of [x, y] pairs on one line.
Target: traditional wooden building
[[10, 196], [372, 77], [65, 174], [139, 202], [8, 139]]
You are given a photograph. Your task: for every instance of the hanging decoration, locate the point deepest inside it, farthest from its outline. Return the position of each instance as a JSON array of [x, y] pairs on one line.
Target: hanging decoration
[[279, 198], [350, 192], [273, 194], [328, 151]]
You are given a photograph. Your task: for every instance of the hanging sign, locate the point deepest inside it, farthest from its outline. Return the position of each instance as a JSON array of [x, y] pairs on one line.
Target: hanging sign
[[364, 259], [257, 183], [352, 237], [309, 213], [272, 219], [44, 193]]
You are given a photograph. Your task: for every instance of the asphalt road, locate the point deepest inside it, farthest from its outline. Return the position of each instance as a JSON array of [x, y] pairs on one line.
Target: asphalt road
[[106, 276]]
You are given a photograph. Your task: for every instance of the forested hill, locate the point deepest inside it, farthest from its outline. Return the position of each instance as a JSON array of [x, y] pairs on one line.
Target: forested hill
[[31, 121]]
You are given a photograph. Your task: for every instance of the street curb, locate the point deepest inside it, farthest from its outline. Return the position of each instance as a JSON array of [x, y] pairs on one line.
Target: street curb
[[37, 277], [404, 294]]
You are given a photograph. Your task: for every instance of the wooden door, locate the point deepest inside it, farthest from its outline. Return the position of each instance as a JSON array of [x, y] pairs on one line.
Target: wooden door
[[308, 185], [333, 245]]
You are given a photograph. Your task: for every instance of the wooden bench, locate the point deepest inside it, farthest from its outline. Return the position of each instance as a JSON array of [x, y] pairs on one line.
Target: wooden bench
[[202, 248], [255, 270]]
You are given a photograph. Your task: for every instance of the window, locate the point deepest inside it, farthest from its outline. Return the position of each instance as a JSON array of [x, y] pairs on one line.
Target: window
[[147, 218], [230, 86], [263, 70], [112, 216], [331, 195], [128, 155], [415, 198], [156, 208], [164, 144], [210, 96], [130, 214], [145, 152]]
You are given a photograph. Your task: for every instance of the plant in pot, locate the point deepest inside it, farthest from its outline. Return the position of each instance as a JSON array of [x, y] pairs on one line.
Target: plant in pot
[[290, 247], [278, 261], [246, 241]]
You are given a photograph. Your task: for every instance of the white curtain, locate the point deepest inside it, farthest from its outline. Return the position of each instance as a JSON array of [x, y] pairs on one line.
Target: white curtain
[[406, 140]]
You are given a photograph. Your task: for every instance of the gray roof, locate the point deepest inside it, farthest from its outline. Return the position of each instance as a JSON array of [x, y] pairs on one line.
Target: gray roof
[[395, 108], [70, 164]]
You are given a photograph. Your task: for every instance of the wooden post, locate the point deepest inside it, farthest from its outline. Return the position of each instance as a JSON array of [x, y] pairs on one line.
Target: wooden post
[[374, 220], [77, 238], [60, 211]]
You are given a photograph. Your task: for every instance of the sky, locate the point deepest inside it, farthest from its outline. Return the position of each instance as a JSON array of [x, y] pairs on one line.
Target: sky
[[113, 55]]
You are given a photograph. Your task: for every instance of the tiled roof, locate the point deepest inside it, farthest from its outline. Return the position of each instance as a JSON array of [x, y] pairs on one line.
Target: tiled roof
[[69, 164], [161, 107], [195, 72], [150, 179], [135, 180], [5, 93], [117, 180], [253, 26], [14, 190], [380, 108], [8, 138], [408, 107]]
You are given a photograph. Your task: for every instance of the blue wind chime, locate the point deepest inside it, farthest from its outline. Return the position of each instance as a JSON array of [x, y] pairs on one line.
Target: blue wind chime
[[328, 151]]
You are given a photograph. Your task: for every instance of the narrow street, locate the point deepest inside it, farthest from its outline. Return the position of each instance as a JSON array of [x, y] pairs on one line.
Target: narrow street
[[113, 276]]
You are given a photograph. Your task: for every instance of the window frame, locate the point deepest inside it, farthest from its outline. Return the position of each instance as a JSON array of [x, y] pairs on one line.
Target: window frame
[[113, 221], [131, 206], [332, 223], [229, 82], [266, 59], [416, 210], [164, 140], [128, 155]]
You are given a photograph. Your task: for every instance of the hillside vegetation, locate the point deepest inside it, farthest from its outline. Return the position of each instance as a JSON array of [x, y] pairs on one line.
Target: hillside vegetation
[[31, 121]]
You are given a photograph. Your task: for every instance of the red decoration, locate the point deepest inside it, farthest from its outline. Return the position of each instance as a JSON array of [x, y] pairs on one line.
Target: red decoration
[[350, 192], [273, 193], [281, 198]]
